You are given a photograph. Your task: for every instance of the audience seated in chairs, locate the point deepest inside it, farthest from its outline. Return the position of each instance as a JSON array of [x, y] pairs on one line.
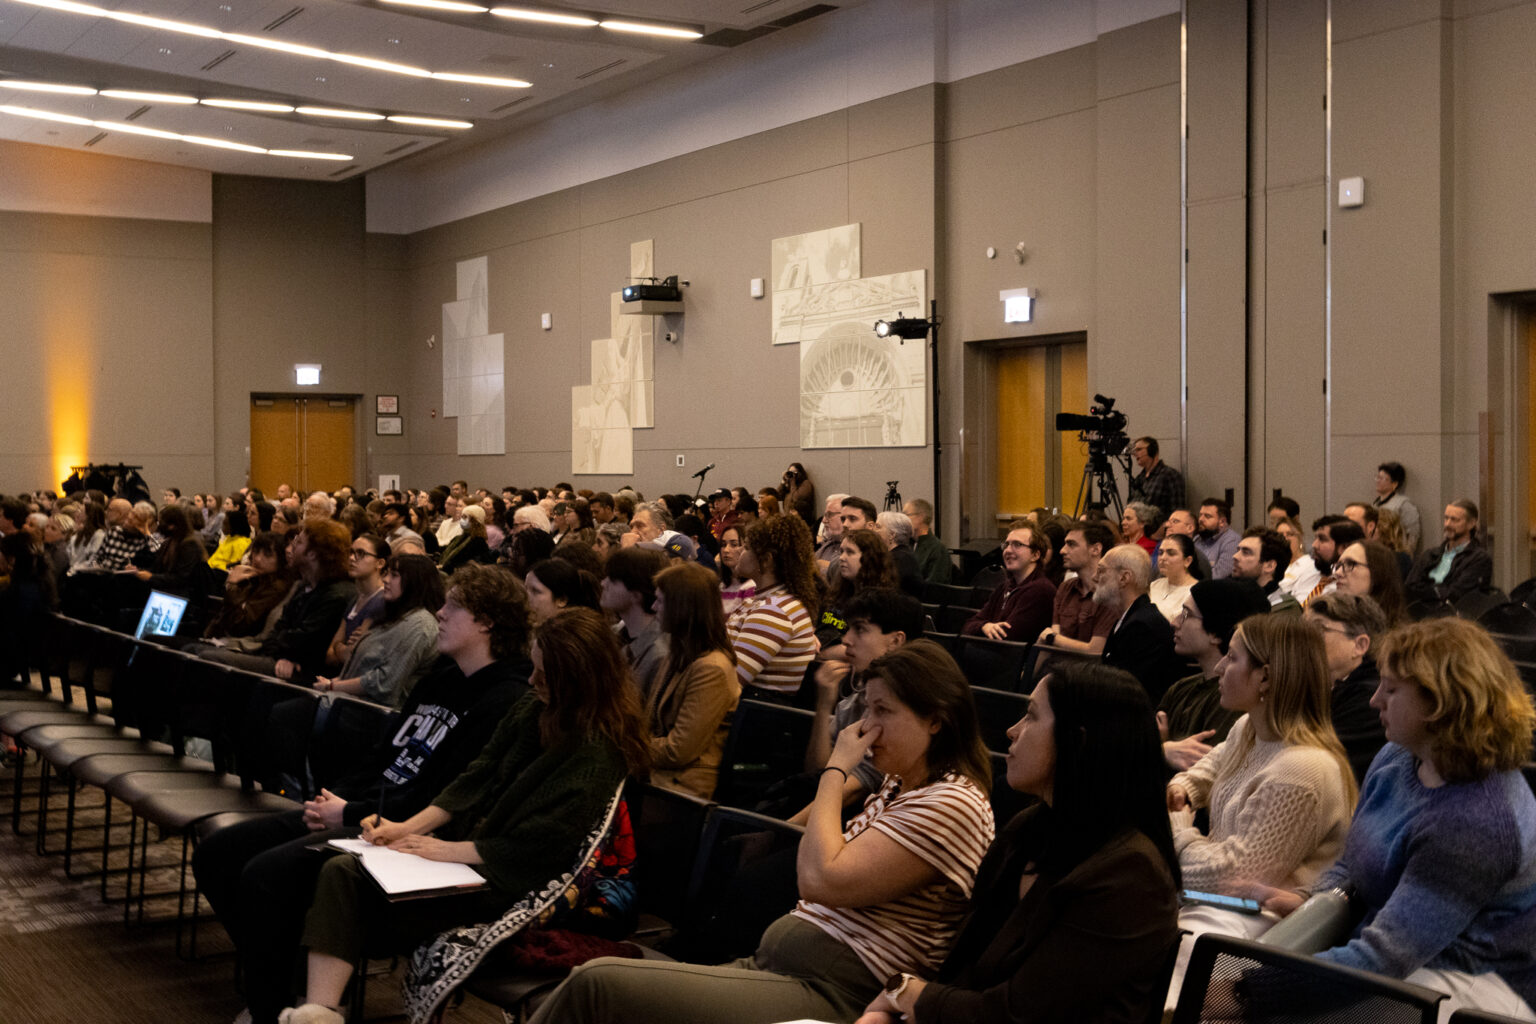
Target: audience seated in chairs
[[689, 705], [522, 812], [260, 874], [1190, 717], [234, 538], [1352, 627], [895, 528], [555, 585], [1369, 569], [1020, 607], [1142, 640], [628, 592], [1175, 574], [864, 561], [1279, 789], [399, 646], [773, 634], [734, 589], [253, 591], [368, 554], [1079, 623], [1439, 859], [298, 640], [885, 896]]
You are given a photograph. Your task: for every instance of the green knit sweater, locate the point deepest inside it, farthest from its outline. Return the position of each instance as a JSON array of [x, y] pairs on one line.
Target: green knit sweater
[[528, 809]]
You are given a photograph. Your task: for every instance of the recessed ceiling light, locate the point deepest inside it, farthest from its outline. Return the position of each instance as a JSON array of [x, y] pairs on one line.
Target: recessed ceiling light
[[71, 90], [184, 27], [134, 129], [548, 17], [441, 5], [429, 122], [270, 108], [354, 115], [306, 155], [381, 65], [508, 83], [203, 140], [147, 97], [652, 30]]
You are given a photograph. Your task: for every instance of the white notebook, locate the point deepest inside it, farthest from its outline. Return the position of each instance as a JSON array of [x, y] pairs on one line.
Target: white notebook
[[399, 873]]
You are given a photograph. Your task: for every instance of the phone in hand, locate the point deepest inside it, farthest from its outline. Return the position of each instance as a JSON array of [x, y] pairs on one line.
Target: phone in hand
[[1213, 899]]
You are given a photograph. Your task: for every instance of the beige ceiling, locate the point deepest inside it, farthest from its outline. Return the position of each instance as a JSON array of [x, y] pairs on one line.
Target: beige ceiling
[[567, 67]]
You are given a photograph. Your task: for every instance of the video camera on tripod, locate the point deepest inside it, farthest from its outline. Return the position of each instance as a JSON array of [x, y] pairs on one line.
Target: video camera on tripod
[[1103, 429]]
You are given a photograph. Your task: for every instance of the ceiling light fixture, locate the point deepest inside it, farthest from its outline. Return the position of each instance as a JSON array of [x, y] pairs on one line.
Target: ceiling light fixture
[[351, 115], [441, 5], [203, 140], [509, 83], [69, 90], [307, 155], [45, 115], [651, 30], [546, 17], [429, 122], [147, 97], [135, 129], [269, 108], [207, 32]]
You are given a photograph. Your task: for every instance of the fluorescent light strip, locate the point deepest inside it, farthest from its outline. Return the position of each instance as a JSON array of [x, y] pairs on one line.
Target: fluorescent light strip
[[351, 115], [138, 129], [69, 90], [147, 97], [267, 108], [441, 5], [429, 122], [453, 76], [647, 30], [206, 32], [546, 17]]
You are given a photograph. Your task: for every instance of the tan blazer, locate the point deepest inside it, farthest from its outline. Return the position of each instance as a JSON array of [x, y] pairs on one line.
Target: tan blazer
[[689, 713]]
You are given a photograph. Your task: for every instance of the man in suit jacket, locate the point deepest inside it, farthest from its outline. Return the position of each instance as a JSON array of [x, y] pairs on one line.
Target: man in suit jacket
[[1142, 640]]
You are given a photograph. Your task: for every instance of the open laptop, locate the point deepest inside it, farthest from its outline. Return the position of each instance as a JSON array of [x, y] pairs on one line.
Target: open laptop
[[162, 615]]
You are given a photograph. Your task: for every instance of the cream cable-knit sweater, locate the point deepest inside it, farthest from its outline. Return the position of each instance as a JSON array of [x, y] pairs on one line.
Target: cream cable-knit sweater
[[1278, 815]]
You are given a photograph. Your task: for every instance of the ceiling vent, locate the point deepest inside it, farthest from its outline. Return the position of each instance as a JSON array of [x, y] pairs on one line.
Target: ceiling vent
[[728, 37], [606, 67], [402, 148], [510, 105], [220, 59], [137, 114], [95, 138], [814, 11], [283, 20], [754, 8]]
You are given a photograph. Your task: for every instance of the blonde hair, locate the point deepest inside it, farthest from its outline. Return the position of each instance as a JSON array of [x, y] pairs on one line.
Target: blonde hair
[[1480, 717], [1297, 702]]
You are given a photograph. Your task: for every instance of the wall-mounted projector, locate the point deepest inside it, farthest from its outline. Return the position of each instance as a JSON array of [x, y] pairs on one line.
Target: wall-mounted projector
[[662, 291]]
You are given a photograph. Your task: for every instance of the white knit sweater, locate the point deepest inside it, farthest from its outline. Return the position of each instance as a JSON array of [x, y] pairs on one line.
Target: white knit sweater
[[1278, 815]]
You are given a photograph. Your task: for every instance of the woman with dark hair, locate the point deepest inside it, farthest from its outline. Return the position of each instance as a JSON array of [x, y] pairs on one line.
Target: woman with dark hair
[[421, 524], [773, 634], [234, 538], [88, 538], [865, 562], [555, 585], [526, 548], [521, 812], [799, 496], [1074, 909], [1369, 569], [1439, 864], [1177, 574], [401, 644], [178, 565], [495, 521], [885, 895], [253, 590], [734, 588], [696, 689], [365, 565]]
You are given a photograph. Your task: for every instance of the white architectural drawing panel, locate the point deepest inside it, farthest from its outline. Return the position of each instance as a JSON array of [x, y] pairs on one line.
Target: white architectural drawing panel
[[858, 390], [473, 365], [601, 440], [803, 263]]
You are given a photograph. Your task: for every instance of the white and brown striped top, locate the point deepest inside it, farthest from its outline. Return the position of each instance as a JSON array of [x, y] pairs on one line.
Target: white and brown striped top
[[774, 640]]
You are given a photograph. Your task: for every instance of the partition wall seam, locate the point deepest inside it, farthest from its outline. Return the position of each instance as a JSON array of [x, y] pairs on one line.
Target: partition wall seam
[[1184, 238], [1328, 255]]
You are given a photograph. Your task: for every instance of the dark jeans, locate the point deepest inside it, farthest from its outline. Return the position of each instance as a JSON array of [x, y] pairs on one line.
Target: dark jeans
[[260, 877]]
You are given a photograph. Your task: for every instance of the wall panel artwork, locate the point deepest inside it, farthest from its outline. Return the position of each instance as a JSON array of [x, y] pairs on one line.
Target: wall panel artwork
[[474, 389]]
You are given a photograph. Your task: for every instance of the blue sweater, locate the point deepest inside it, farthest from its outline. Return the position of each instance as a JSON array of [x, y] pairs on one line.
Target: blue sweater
[[1447, 876]]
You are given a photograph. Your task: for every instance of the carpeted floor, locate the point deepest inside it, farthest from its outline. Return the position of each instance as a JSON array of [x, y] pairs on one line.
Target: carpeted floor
[[67, 957]]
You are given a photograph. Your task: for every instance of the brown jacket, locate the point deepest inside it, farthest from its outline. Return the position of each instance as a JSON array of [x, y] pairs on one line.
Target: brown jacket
[[689, 715]]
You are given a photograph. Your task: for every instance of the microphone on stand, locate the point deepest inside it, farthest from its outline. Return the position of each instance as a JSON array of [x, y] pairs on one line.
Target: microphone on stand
[[700, 474]]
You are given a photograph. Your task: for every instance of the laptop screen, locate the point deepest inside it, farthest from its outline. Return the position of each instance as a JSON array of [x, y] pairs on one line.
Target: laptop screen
[[162, 615]]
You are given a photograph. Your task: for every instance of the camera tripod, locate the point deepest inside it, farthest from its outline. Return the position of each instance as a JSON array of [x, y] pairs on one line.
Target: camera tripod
[[1099, 472]]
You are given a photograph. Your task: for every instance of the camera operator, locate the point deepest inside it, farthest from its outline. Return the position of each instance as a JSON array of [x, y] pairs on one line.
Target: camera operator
[[1158, 483]]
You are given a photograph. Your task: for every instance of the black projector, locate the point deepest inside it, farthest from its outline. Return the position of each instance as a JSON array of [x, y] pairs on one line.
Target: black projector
[[666, 291]]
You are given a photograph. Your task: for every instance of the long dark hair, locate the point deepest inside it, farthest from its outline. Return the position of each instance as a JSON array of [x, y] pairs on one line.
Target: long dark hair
[[591, 694], [876, 569], [1109, 766], [924, 677], [1386, 580], [692, 616], [578, 587], [176, 526], [421, 586]]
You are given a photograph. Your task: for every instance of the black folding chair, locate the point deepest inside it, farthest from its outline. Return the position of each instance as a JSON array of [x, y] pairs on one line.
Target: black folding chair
[[1509, 618], [996, 711], [766, 744], [996, 664]]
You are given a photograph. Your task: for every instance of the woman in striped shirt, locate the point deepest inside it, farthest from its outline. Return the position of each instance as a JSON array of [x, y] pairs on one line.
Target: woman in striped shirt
[[773, 633], [884, 896]]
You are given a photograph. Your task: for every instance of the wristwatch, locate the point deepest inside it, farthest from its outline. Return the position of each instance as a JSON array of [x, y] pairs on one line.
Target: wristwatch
[[895, 985]]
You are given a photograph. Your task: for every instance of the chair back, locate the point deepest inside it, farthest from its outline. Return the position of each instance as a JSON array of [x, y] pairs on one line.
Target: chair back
[[348, 731], [1235, 979], [766, 744], [1467, 1015], [733, 841], [996, 711], [944, 593], [953, 617], [669, 826], [997, 664], [1510, 618]]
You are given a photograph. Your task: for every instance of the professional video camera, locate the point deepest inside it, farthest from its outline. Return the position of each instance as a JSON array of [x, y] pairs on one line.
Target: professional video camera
[[1104, 431], [1103, 428]]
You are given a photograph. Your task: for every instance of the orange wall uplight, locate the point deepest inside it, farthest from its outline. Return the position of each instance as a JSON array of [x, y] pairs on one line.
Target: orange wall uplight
[[70, 344]]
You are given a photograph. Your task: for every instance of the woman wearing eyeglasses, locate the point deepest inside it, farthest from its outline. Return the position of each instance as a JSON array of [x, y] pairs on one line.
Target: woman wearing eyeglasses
[[365, 565], [400, 646], [1369, 569]]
